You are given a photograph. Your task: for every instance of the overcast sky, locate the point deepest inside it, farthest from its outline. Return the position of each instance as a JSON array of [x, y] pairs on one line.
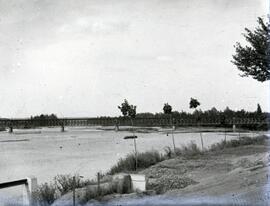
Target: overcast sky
[[82, 58]]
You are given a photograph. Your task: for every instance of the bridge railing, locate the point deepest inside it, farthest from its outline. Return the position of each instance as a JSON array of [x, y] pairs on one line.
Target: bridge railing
[[29, 190]]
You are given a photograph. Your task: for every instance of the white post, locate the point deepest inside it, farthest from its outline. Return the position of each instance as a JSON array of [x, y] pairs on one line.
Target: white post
[[29, 192]]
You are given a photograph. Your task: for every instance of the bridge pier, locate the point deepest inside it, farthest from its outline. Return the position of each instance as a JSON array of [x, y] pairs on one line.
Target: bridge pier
[[10, 130], [234, 128]]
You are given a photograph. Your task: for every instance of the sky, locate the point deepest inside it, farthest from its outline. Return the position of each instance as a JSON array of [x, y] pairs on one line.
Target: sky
[[82, 58]]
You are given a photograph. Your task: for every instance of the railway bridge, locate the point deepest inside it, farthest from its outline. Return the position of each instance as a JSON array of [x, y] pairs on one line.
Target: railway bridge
[[121, 121]]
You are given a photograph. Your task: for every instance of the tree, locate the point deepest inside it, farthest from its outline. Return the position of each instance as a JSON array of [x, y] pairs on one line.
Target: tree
[[167, 109], [259, 109], [194, 103], [253, 59], [128, 109]]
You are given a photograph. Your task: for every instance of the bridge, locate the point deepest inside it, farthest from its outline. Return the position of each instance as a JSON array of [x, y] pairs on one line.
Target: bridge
[[121, 121]]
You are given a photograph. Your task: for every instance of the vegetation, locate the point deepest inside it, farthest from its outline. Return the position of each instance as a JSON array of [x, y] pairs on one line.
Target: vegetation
[[127, 109], [44, 117], [214, 115], [260, 140], [167, 109], [145, 159], [259, 110], [47, 193], [192, 150], [194, 103], [253, 59], [189, 150]]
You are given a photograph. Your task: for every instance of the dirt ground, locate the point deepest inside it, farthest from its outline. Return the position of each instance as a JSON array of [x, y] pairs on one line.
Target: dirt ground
[[236, 174]]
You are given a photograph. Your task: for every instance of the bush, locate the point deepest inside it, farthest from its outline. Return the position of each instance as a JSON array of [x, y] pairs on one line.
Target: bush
[[189, 150], [65, 183], [46, 194], [144, 159]]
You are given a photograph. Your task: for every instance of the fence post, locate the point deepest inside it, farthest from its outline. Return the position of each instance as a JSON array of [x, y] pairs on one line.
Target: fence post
[[73, 190], [98, 181], [29, 192], [201, 140]]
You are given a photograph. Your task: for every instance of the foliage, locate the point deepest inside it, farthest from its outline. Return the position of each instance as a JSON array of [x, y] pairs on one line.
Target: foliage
[[253, 60], [145, 160], [128, 109], [194, 103], [46, 194], [65, 183], [259, 109], [190, 150], [167, 109], [214, 115], [44, 117]]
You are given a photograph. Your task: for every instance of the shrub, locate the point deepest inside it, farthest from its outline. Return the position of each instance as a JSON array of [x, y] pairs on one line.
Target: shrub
[[65, 183], [189, 150], [46, 194], [144, 159]]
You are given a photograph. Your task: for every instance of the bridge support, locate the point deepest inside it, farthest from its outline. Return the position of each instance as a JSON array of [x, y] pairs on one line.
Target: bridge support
[[10, 130], [234, 128]]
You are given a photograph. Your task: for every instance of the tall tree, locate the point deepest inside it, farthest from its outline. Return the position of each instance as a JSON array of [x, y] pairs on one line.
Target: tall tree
[[167, 109], [194, 103], [259, 109], [253, 59]]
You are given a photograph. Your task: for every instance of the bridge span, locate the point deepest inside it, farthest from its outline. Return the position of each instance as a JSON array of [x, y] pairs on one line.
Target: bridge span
[[121, 121]]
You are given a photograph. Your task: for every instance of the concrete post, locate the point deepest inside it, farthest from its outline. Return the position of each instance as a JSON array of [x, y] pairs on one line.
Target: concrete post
[[30, 192]]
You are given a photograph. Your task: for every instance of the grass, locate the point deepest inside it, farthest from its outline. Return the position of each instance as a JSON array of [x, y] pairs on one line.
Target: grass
[[145, 159], [192, 149], [242, 141]]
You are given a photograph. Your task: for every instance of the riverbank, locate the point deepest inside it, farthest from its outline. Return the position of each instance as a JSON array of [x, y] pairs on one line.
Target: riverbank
[[234, 175]]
